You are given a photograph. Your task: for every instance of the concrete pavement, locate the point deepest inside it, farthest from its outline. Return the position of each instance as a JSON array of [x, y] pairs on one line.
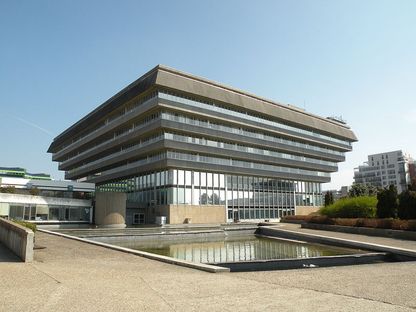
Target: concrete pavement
[[73, 276]]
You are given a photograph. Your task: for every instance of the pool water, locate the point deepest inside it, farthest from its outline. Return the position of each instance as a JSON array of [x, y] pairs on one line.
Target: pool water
[[238, 249]]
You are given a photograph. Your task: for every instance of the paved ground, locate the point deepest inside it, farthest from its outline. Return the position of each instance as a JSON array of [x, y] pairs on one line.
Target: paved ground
[[73, 276]]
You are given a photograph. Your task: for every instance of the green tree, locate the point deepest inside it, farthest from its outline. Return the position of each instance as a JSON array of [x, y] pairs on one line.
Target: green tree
[[329, 198], [412, 185], [358, 189], [387, 202], [407, 205]]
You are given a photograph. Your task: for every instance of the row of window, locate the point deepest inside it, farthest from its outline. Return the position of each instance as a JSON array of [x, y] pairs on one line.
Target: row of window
[[264, 199], [214, 161], [241, 164], [124, 149], [144, 121], [104, 140], [205, 123], [244, 148], [171, 96], [188, 178], [201, 141], [254, 213], [127, 109], [35, 212], [176, 186], [228, 110]]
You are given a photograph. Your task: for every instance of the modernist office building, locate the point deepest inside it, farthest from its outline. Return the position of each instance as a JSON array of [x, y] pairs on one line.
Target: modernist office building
[[195, 150]]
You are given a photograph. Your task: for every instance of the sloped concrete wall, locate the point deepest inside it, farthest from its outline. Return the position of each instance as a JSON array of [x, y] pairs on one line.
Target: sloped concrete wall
[[110, 209], [18, 239]]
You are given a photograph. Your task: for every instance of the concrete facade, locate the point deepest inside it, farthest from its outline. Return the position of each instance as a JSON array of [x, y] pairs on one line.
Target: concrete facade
[[305, 210], [110, 209], [197, 214]]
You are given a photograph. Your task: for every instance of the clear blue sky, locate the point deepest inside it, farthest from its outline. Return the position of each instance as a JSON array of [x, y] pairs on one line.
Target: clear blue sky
[[61, 59]]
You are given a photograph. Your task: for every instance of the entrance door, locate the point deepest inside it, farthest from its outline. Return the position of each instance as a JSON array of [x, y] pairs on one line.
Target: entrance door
[[138, 218], [26, 215], [235, 216]]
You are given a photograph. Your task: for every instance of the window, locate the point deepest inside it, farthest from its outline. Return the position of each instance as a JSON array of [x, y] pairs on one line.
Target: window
[[196, 178], [181, 177], [188, 178], [138, 218]]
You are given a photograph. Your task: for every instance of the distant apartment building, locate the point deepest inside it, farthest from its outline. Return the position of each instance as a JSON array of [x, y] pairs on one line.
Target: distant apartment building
[[338, 194], [384, 169], [39, 199]]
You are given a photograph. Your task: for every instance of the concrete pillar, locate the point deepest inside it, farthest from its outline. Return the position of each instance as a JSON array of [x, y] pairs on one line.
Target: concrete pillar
[[110, 209]]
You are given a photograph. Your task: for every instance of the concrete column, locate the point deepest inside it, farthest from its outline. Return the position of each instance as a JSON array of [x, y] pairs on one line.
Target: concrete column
[[110, 209]]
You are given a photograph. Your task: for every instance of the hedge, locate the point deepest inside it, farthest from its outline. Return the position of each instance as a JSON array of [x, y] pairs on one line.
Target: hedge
[[353, 207]]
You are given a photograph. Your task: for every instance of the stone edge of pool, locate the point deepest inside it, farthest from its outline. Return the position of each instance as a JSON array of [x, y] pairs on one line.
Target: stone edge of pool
[[188, 264], [334, 241], [311, 262]]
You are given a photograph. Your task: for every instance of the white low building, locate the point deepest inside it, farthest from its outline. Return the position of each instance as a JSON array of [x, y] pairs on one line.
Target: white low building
[[46, 201]]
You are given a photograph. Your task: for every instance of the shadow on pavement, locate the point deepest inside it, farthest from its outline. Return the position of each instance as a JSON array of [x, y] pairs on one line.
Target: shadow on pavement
[[7, 256]]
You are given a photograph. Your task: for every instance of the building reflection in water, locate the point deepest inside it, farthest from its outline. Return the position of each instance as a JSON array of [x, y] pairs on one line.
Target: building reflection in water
[[248, 249]]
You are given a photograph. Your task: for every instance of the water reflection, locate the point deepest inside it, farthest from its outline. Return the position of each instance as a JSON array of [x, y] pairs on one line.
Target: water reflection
[[247, 249]]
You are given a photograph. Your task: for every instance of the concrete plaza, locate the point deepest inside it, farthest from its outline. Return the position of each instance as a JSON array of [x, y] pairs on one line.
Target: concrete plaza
[[69, 275]]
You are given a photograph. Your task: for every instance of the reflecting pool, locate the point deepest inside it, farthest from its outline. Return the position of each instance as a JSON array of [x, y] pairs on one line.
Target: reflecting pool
[[237, 249]]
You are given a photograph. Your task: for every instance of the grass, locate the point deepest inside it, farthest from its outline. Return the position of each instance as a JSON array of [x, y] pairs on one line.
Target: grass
[[29, 225]]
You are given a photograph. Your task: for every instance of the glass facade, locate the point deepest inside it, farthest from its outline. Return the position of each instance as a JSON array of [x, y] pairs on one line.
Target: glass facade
[[245, 197], [36, 212]]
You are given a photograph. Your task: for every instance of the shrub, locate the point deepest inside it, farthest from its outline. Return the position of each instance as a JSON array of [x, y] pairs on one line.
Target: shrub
[[377, 223], [354, 207], [295, 218], [404, 225], [399, 225], [346, 221], [365, 222], [34, 191], [321, 220], [387, 202], [407, 205], [411, 225], [8, 189], [29, 225]]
